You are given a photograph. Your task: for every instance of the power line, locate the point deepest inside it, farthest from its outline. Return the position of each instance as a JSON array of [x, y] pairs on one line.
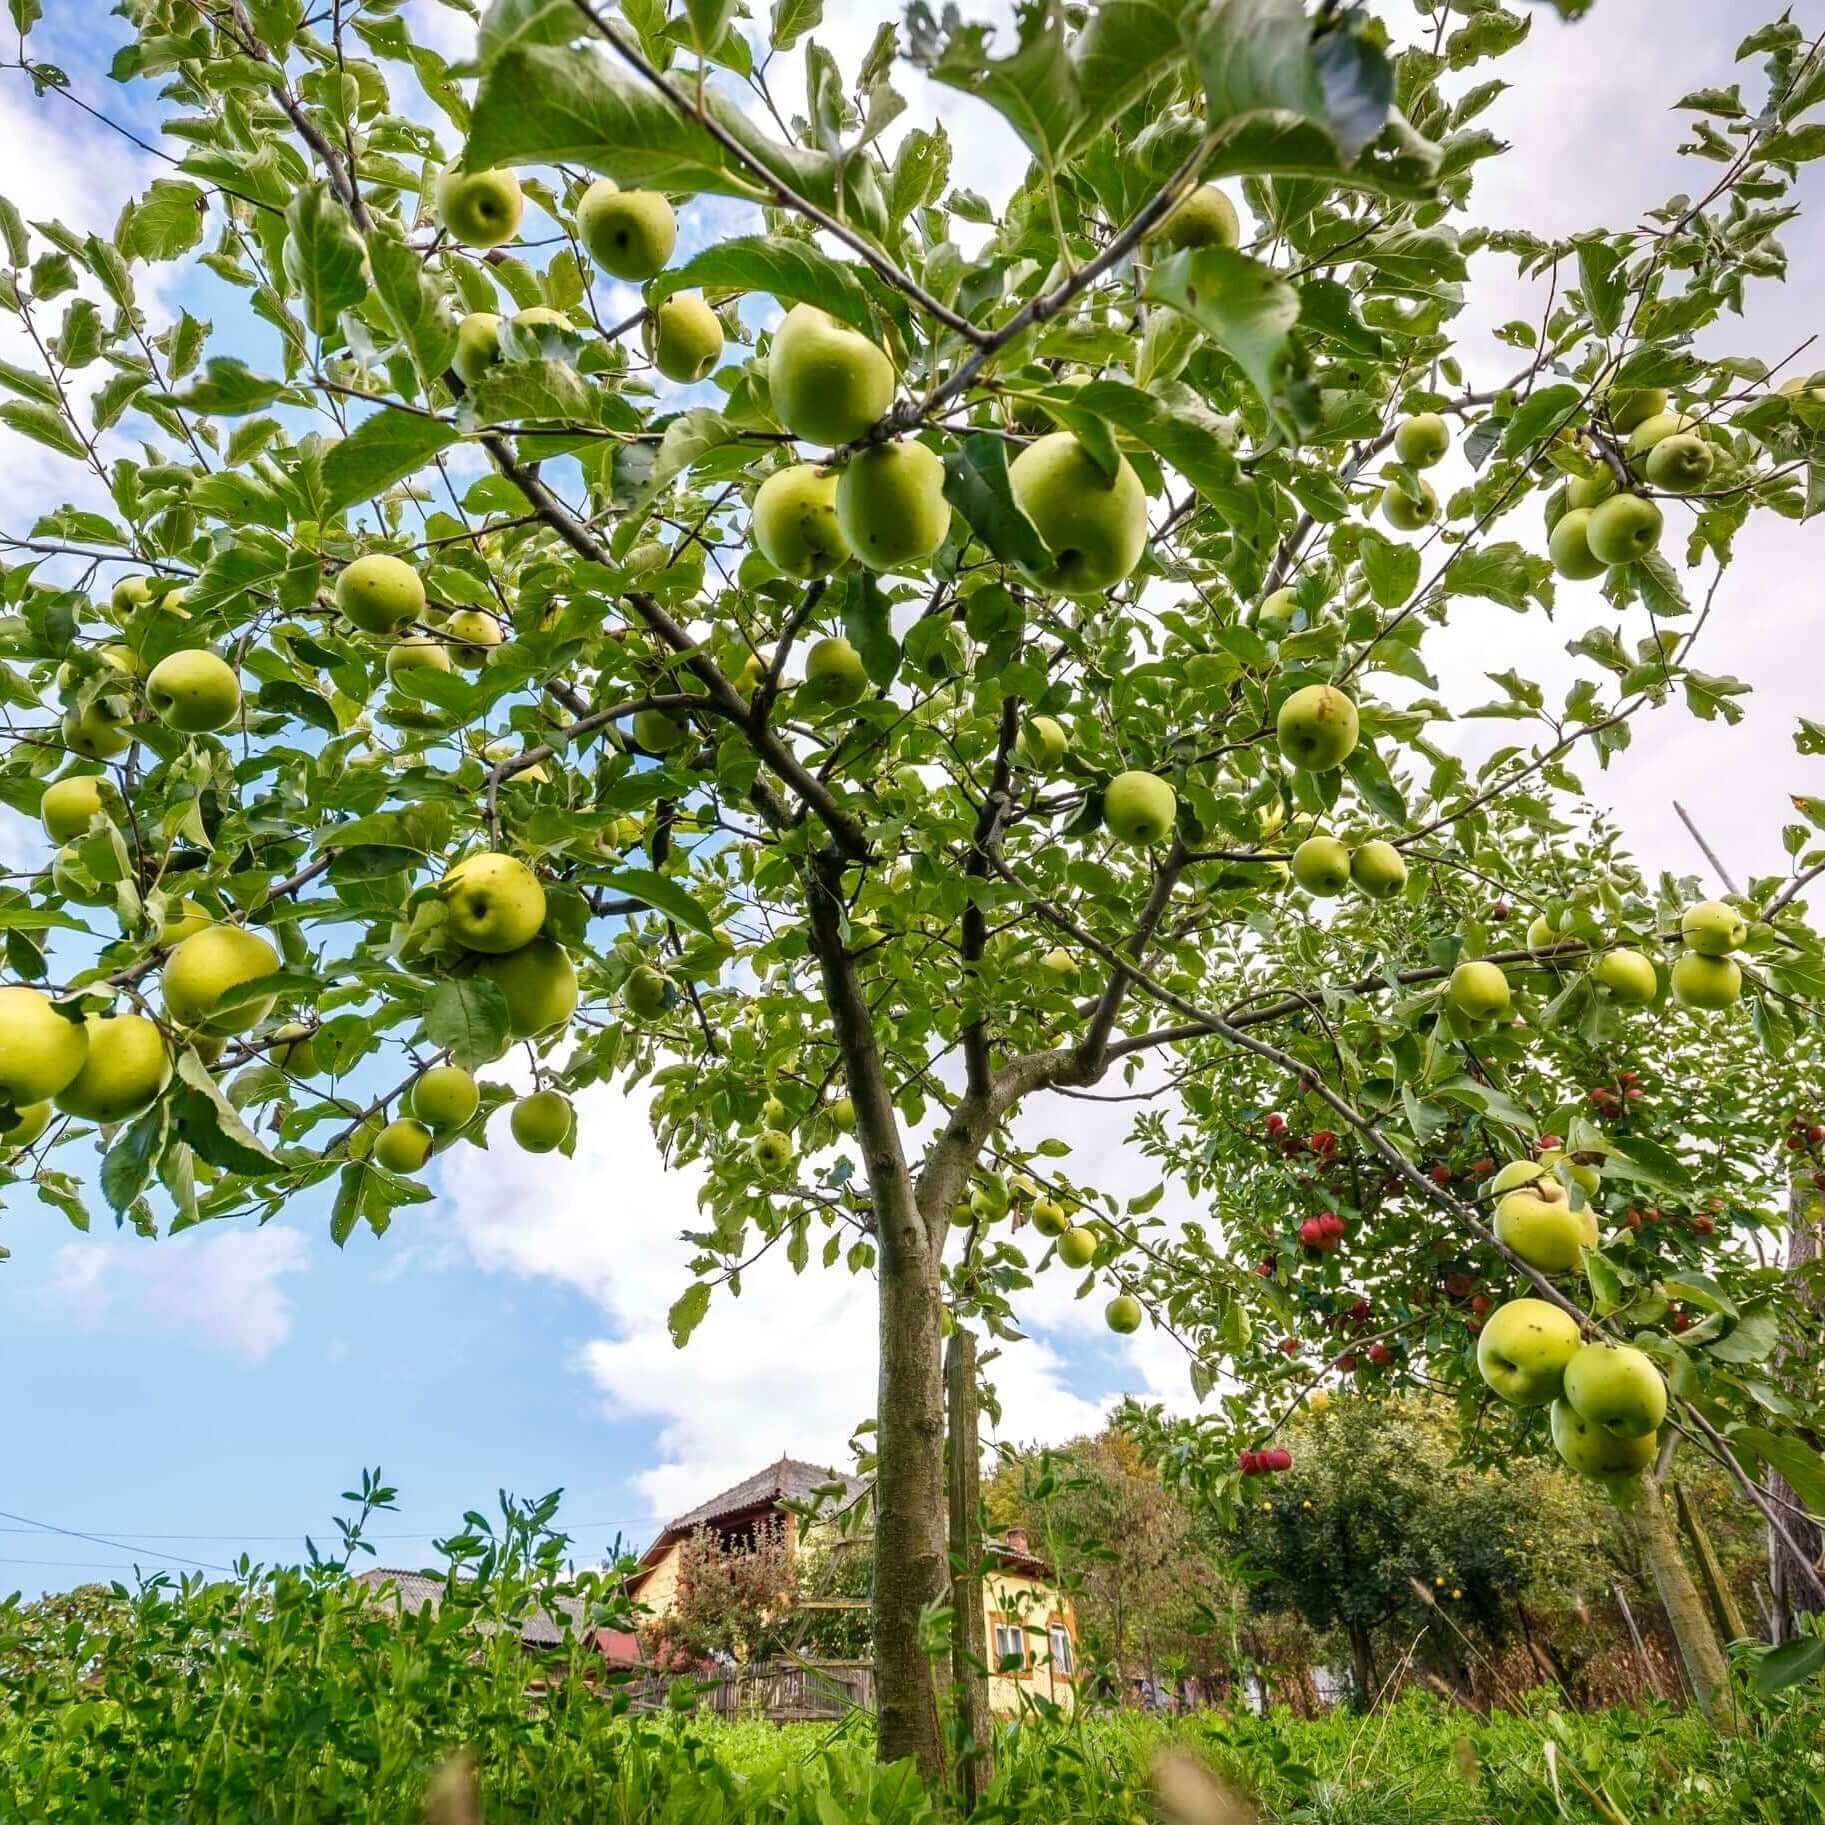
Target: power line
[[120, 1546], [130, 1535]]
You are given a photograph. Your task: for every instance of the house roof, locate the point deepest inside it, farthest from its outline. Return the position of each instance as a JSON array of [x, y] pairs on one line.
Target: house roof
[[538, 1628], [788, 1479]]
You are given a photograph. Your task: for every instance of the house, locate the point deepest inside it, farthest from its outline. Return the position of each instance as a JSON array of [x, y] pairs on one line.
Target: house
[[1031, 1629]]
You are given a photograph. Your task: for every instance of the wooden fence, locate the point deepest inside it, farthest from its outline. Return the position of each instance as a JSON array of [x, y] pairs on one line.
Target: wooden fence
[[780, 1691]]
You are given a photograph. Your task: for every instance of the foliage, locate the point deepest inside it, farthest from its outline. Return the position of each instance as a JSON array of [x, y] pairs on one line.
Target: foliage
[[731, 1594]]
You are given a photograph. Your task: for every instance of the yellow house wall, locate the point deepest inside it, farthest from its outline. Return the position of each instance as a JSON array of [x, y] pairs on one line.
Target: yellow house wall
[[659, 1590], [1034, 1605]]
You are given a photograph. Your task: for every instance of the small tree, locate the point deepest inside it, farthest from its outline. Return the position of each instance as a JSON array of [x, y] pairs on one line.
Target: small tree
[[732, 1592]]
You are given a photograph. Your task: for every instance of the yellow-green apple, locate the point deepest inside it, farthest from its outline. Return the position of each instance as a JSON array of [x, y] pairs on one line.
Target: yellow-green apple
[[495, 903], [472, 634], [1094, 525], [1543, 936], [1479, 991], [1707, 982], [1523, 1350], [828, 382], [403, 1145], [772, 1151], [445, 1096], [1588, 1179], [645, 993], [1077, 1246], [629, 233], [1378, 869], [773, 1113], [1656, 430], [1123, 1314], [1140, 808], [479, 208], [1043, 743], [1631, 406], [293, 1049], [1274, 618], [794, 521], [1058, 962], [1681, 464], [1422, 440], [1628, 975], [541, 317], [1591, 1451], [1568, 545], [686, 338], [201, 970], [1321, 865], [1616, 1389], [890, 504], [842, 1112], [1538, 1225], [20, 1127], [69, 804], [194, 691], [1206, 218], [40, 1051], [1713, 928], [659, 732], [127, 1066], [380, 593], [95, 733], [1623, 528], [1403, 512], [834, 675], [1317, 728], [541, 1121], [1583, 492], [478, 346], [539, 982], [990, 1196], [1049, 1217], [130, 595], [182, 919], [419, 653]]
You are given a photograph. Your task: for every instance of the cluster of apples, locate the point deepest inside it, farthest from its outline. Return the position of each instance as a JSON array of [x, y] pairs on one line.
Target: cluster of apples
[[442, 1102], [1268, 1460], [1324, 866], [1538, 1219], [385, 596], [1323, 1234], [1705, 975], [1419, 443], [1806, 1135], [1608, 1401]]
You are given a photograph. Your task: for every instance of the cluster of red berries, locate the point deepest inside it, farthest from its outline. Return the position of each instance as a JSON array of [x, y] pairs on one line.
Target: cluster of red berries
[[1265, 1461], [1614, 1101], [1804, 1135], [1322, 1233]]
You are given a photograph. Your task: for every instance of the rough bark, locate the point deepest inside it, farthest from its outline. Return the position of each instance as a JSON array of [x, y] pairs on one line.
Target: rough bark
[[1794, 1594], [1725, 1610], [969, 1626], [1706, 1669], [1362, 1666]]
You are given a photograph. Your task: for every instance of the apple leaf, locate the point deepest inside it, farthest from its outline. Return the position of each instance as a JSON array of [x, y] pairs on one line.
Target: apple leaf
[[467, 1017], [791, 270], [1034, 89], [324, 256], [513, 23], [662, 894], [211, 1125], [43, 425], [1176, 427], [346, 1210], [168, 220], [415, 306], [126, 1168], [1796, 1460], [976, 483], [1788, 1664], [869, 626], [1246, 308], [1543, 414], [1390, 570], [791, 20], [384, 448], [687, 1312]]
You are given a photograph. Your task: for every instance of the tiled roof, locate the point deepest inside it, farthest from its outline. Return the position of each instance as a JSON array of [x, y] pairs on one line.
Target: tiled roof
[[788, 1480], [425, 1590]]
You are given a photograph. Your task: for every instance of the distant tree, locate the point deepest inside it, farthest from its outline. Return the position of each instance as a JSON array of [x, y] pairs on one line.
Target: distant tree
[[63, 1632], [731, 1594]]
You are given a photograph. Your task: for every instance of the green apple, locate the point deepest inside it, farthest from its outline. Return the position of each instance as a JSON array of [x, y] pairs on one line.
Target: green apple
[[842, 1112], [834, 674], [1077, 1246], [1707, 982], [478, 346], [1317, 728], [71, 880], [1544, 936], [495, 903], [1321, 865], [1523, 1350], [446, 1096], [1205, 218], [773, 1113], [1568, 545], [658, 732], [479, 208], [472, 634], [194, 691], [1044, 743], [1140, 808], [1625, 527], [794, 521], [1654, 431], [1058, 962], [1680, 465], [127, 1066], [772, 1151], [293, 1049], [540, 984], [201, 970], [95, 734], [1588, 1179], [990, 1196], [182, 919], [380, 594], [40, 1051], [1628, 975], [419, 653], [1403, 512], [828, 382], [1630, 407], [1591, 1451], [403, 1145], [629, 233], [130, 595], [1479, 991], [539, 317], [1094, 525], [70, 804], [890, 504], [1123, 1314], [1518, 1172], [20, 1127], [1616, 1389], [645, 993], [1049, 1217], [1378, 869], [1274, 618], [1422, 440], [1539, 1226], [1712, 928], [1583, 492], [542, 1121], [123, 659], [686, 338]]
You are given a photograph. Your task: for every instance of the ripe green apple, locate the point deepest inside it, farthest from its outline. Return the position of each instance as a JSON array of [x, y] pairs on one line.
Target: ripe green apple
[[1378, 869], [629, 233], [539, 317], [472, 634], [686, 338], [1707, 982], [495, 903], [419, 653], [542, 1121], [1140, 808], [1616, 1389], [446, 1096], [1403, 512], [1422, 440], [1591, 1451], [1274, 618], [773, 1113], [1568, 545], [40, 1051], [1123, 1314], [1059, 962], [1628, 975], [1656, 430], [1523, 1350], [20, 1127], [1094, 525], [772, 1151], [1205, 218], [182, 919], [403, 1145], [540, 984], [127, 1066], [1049, 1217], [842, 1112], [890, 504], [123, 659], [194, 691], [658, 732], [201, 970], [95, 734], [829, 383], [1317, 728], [1544, 936], [834, 674], [794, 521], [645, 993], [479, 208], [990, 1195], [130, 595], [1625, 527], [1712, 928], [69, 804], [1077, 1246], [1538, 1225], [1681, 464], [1630, 407], [1583, 492], [1588, 1179], [294, 1050], [478, 346], [1479, 991], [1043, 743], [71, 880], [1518, 1172], [1321, 865], [380, 594]]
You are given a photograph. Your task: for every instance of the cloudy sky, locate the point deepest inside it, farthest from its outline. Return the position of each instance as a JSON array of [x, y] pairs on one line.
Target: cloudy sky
[[185, 1401]]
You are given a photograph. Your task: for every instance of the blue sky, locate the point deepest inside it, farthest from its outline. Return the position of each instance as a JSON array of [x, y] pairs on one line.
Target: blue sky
[[224, 1385]]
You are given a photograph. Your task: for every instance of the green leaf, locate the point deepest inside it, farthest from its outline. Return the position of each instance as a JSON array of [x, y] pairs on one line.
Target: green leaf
[[1176, 426], [467, 1017], [168, 220], [662, 894], [1543, 413], [226, 388], [1244, 307], [1328, 309], [544, 391], [1373, 781], [687, 1312], [255, 562], [211, 1124], [976, 484], [1034, 88], [791, 270], [12, 231], [869, 627], [513, 23], [346, 1211], [381, 450], [1603, 279], [1655, 1164], [324, 257], [43, 425], [1788, 1664], [126, 1168], [414, 305], [688, 438], [1796, 1460], [1255, 56], [792, 19], [1390, 570]]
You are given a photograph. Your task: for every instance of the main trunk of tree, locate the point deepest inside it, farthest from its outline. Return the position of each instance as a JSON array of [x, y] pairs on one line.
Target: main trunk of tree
[[1707, 1671], [1792, 1591], [969, 1623], [1362, 1665]]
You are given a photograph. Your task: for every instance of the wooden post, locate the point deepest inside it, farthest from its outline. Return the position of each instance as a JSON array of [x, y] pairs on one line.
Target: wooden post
[[969, 1626], [1794, 1593], [1701, 1656], [1728, 1616], [1643, 1665]]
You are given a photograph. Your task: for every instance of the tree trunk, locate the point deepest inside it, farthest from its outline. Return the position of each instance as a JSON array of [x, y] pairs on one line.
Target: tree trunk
[[1725, 1611], [969, 1628], [1707, 1671], [1362, 1666], [1793, 1593]]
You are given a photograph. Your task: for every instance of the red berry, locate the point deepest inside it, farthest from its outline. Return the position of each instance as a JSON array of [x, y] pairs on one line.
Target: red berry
[[1459, 1286], [1289, 1346], [1380, 1355], [1323, 1140], [1633, 1219], [1499, 911], [1346, 1362], [1265, 1268], [1479, 1305], [1276, 1122], [1246, 1462], [1628, 1077], [1704, 1225], [1600, 1096], [1547, 1140], [1440, 1175], [1796, 1141], [1359, 1310], [1634, 1094], [1815, 1134], [1483, 1167], [1680, 1321], [1310, 1233], [1282, 1459], [1818, 1180]]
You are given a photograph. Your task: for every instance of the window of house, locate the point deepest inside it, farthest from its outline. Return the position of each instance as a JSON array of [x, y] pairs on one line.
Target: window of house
[[1060, 1638], [1010, 1644]]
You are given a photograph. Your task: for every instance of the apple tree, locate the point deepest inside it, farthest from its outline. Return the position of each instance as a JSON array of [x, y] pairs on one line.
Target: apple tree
[[891, 661]]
